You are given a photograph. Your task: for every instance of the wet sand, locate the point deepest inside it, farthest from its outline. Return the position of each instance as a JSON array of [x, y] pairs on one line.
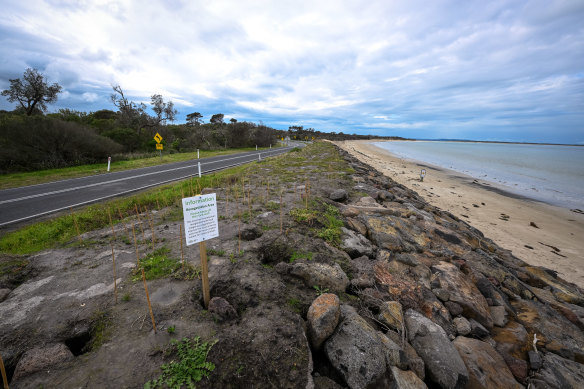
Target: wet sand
[[538, 233]]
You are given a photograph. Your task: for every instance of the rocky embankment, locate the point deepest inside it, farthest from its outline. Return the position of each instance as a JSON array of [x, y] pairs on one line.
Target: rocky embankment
[[408, 297]]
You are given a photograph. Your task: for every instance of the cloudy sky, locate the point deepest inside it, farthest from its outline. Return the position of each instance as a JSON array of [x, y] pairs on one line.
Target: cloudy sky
[[489, 70]]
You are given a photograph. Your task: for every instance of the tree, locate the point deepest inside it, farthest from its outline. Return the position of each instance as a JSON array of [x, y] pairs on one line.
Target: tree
[[193, 118], [217, 118], [33, 92], [130, 114], [164, 111], [233, 120]]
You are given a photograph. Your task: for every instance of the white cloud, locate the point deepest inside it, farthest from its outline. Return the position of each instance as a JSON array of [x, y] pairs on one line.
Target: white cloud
[[357, 63]]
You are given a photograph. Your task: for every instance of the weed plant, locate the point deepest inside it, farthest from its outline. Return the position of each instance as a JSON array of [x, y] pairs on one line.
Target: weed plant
[[191, 366]]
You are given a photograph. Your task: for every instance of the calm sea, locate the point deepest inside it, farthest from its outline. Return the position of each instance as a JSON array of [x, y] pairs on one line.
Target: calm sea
[[552, 174]]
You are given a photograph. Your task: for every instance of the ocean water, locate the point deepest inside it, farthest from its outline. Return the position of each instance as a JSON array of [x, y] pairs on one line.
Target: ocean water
[[548, 173]]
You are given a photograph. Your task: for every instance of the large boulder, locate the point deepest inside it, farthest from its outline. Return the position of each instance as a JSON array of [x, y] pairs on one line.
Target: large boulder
[[356, 244], [444, 366], [463, 292], [394, 234], [486, 368], [323, 275], [560, 373], [41, 358], [339, 195], [323, 317], [354, 350]]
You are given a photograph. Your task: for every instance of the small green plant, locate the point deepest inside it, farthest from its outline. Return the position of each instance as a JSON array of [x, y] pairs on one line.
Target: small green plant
[[171, 330], [232, 258], [126, 297], [296, 255], [295, 304], [190, 367], [156, 265], [320, 290], [219, 253]]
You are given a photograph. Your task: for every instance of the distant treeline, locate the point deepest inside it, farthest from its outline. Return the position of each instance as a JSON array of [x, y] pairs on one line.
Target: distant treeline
[[70, 138]]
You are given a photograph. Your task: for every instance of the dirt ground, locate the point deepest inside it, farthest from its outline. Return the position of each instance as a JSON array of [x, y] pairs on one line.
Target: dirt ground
[[66, 295]]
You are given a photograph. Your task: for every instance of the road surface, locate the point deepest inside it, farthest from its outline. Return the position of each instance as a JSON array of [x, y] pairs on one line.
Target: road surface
[[29, 202]]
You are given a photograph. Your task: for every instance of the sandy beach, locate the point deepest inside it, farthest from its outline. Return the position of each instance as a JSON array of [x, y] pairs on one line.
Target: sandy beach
[[537, 233]]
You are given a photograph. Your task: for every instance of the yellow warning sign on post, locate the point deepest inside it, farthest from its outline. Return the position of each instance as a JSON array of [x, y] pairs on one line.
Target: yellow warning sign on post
[[159, 146], [158, 139]]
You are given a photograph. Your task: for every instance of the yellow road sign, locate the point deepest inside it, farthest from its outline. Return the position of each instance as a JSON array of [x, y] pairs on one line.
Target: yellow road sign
[[159, 146], [157, 138]]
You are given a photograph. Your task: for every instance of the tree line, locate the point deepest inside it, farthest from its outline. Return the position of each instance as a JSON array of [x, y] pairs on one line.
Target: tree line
[[33, 139]]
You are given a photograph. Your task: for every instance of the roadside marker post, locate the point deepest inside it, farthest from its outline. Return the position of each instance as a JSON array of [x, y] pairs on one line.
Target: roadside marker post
[[259, 156], [199, 166], [201, 224], [197, 153], [109, 160], [256, 147]]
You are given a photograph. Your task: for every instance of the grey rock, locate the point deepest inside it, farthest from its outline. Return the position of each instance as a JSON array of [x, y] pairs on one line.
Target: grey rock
[[454, 308], [385, 195], [462, 326], [560, 373], [499, 315], [322, 382], [406, 379], [444, 365], [221, 309], [251, 233], [535, 361], [40, 358], [363, 274], [354, 350], [486, 368], [4, 294], [394, 354], [477, 329], [356, 244], [442, 294], [323, 316], [331, 277], [339, 195]]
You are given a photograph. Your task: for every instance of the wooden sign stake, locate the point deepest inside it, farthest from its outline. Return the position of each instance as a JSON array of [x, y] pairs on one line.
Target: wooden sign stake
[[111, 224], [115, 282], [4, 377], [226, 201], [151, 226], [204, 273], [148, 299], [281, 216]]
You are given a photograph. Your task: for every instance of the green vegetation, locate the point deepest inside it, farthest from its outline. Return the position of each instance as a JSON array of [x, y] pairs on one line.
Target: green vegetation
[[156, 265], [128, 161], [321, 214], [171, 330], [320, 290], [190, 367], [61, 230], [296, 255], [126, 297], [11, 267], [295, 304], [218, 253], [100, 330]]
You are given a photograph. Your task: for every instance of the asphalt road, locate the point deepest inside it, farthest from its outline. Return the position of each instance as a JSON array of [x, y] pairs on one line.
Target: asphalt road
[[29, 202]]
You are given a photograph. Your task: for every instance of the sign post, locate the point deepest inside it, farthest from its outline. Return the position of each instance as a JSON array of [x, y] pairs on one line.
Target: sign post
[[199, 165], [201, 224], [159, 146], [109, 160]]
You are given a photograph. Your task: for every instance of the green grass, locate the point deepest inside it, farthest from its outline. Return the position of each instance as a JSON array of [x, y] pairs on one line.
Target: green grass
[[14, 180], [295, 304], [60, 231], [321, 214], [296, 255], [12, 266], [156, 265], [189, 366]]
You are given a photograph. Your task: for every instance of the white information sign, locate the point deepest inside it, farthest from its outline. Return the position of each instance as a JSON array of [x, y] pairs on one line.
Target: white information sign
[[200, 215]]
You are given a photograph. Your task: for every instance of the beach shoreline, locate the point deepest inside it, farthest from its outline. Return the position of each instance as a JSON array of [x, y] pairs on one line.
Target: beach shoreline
[[537, 233]]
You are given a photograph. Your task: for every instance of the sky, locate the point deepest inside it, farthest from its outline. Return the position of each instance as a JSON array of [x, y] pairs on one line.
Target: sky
[[482, 70]]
